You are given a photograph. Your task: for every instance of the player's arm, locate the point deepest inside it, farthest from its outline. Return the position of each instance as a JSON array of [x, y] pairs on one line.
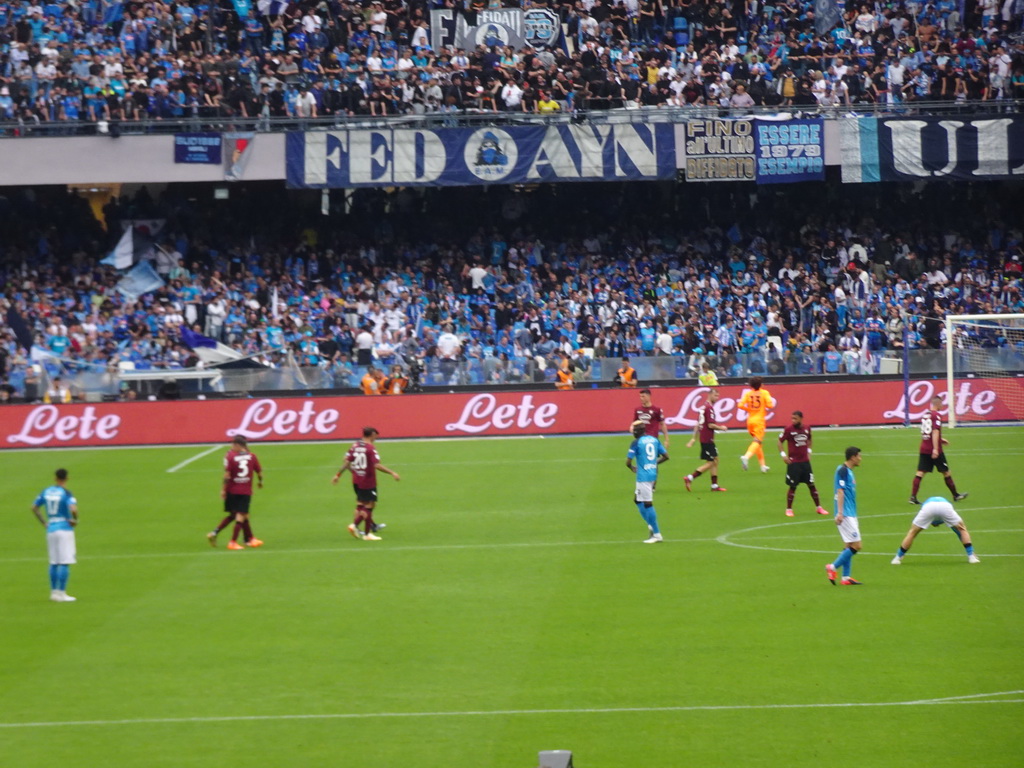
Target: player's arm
[[696, 434], [340, 472], [224, 485], [387, 471], [840, 499], [936, 447], [744, 403], [38, 514], [73, 508], [782, 448], [663, 458], [259, 474], [664, 431]]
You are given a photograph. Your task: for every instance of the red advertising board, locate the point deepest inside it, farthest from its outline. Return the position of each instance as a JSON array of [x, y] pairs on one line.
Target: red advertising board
[[474, 414]]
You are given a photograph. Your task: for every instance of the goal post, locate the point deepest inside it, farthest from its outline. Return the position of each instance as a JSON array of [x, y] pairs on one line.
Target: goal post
[[989, 348]]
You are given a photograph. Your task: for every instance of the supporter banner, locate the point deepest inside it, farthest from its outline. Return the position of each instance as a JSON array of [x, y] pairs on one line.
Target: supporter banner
[[491, 155], [238, 150], [905, 149], [716, 150], [789, 150], [485, 413], [197, 148], [536, 27]]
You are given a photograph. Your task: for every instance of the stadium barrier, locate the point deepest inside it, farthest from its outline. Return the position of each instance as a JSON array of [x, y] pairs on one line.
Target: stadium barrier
[[478, 414]]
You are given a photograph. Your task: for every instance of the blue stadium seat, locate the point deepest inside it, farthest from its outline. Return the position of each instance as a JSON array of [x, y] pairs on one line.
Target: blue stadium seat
[[679, 23]]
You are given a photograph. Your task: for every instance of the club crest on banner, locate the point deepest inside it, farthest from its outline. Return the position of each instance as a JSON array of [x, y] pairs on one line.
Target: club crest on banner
[[491, 154], [541, 28]]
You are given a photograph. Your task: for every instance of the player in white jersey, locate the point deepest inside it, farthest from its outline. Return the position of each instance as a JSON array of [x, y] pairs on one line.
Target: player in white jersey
[[937, 511]]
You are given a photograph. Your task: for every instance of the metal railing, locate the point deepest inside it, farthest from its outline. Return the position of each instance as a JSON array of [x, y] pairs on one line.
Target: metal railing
[[472, 118]]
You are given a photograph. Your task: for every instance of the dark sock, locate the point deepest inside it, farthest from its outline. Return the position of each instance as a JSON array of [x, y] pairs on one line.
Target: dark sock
[[357, 518], [917, 486], [369, 520], [789, 497], [950, 484], [697, 473], [815, 496], [714, 479], [247, 529], [224, 523], [238, 530]]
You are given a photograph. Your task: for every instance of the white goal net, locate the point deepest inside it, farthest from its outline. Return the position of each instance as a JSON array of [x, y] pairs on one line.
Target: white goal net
[[985, 368]]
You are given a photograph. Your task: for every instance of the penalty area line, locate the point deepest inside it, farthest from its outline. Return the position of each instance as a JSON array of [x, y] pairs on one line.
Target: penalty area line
[[981, 698], [198, 456]]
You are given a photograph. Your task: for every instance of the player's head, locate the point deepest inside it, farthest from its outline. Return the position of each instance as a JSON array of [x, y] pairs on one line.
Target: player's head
[[755, 382], [712, 395], [240, 441], [853, 456], [369, 433], [936, 402], [645, 397], [625, 362], [637, 428], [798, 418], [61, 475]]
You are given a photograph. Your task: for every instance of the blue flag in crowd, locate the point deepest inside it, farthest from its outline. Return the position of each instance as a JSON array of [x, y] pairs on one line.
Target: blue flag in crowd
[[827, 14], [141, 279], [113, 12], [133, 247], [195, 340]]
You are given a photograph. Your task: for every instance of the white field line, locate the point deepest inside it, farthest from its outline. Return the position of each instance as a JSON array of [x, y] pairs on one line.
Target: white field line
[[979, 698], [198, 456], [992, 433], [364, 547], [357, 548], [577, 460], [832, 535]]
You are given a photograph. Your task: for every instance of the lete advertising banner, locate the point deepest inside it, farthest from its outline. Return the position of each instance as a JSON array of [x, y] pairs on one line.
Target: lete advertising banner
[[905, 149], [491, 155], [469, 414]]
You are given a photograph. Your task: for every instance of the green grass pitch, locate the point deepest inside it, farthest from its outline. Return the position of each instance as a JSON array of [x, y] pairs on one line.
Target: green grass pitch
[[511, 607]]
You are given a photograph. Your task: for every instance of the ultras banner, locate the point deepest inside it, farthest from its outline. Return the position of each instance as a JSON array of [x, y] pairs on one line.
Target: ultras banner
[[490, 155], [907, 149], [479, 414]]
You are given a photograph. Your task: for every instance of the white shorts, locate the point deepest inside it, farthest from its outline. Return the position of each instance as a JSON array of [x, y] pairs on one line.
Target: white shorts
[[61, 545], [644, 491], [849, 529], [936, 510]]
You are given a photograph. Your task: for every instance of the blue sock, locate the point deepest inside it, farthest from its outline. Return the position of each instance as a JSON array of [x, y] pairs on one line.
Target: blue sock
[[643, 512], [843, 561], [848, 563], [969, 548], [901, 552], [53, 577], [652, 520], [63, 572]]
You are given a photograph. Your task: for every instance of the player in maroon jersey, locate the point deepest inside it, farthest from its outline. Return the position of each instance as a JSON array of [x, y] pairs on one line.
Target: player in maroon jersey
[[363, 461], [652, 416], [798, 439], [704, 430], [240, 464], [931, 456]]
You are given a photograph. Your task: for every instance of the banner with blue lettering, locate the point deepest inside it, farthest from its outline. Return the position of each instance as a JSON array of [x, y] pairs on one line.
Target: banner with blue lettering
[[907, 149], [487, 155], [789, 150], [197, 148]]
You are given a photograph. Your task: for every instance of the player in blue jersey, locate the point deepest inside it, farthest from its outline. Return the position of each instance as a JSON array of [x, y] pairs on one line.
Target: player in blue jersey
[[60, 521], [936, 511], [648, 452], [846, 518]]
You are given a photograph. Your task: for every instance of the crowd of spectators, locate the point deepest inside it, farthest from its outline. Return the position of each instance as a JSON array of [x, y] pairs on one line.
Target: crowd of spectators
[[93, 60], [813, 281]]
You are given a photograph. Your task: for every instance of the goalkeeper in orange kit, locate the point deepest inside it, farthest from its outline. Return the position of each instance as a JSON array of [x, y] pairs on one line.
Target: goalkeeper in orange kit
[[756, 401]]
